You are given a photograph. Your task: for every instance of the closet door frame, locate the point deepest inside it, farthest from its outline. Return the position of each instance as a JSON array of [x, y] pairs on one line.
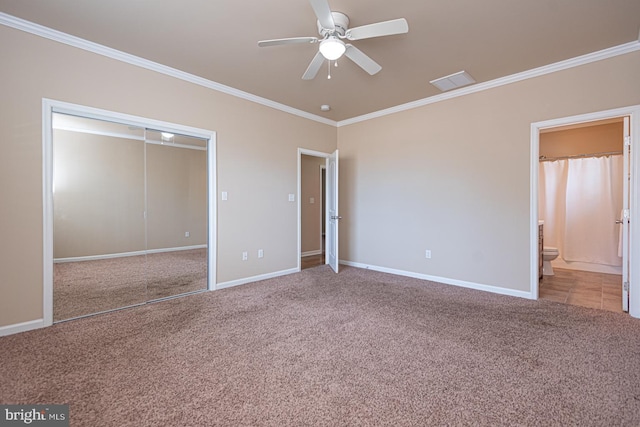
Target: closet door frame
[[49, 107]]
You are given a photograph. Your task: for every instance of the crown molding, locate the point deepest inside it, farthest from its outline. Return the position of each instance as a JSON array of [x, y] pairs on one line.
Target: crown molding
[[58, 36], [529, 74]]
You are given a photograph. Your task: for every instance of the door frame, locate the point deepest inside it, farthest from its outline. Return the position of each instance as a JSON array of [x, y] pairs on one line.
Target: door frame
[[323, 202], [634, 199], [325, 156], [50, 106]]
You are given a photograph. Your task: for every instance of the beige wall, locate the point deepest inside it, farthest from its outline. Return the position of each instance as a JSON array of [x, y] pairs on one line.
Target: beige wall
[[99, 198], [311, 213], [454, 176], [256, 158], [98, 203], [582, 140], [176, 197]]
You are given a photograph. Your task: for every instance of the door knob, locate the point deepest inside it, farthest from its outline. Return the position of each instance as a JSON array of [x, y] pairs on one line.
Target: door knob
[[336, 217], [618, 221]]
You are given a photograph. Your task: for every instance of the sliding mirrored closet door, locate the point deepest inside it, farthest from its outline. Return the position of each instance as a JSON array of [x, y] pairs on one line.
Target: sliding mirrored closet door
[[176, 214], [130, 215]]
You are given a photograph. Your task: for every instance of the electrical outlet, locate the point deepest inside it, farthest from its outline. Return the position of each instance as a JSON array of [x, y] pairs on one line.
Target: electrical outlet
[[427, 254], [292, 197], [187, 234], [245, 256], [260, 253]]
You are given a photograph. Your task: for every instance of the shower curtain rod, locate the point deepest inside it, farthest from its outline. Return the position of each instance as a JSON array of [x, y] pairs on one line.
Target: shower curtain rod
[[578, 156]]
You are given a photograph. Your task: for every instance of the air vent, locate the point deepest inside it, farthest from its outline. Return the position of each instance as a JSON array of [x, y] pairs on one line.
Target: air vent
[[453, 81]]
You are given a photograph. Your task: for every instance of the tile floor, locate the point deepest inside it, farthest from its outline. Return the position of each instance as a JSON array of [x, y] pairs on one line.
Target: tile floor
[[593, 290]]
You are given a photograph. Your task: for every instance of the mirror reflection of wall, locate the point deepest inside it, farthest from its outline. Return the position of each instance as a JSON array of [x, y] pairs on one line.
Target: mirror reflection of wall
[[176, 215], [130, 215]]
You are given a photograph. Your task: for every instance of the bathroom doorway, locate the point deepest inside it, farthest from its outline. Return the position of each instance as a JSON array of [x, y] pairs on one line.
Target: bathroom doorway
[[582, 195]]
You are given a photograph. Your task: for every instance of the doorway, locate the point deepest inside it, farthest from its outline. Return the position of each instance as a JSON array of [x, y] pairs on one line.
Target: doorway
[[592, 276], [129, 212], [318, 218], [580, 199], [312, 198]]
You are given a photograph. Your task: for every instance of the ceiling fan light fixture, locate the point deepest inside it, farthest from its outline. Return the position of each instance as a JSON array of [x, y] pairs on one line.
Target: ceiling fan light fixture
[[332, 48], [333, 28]]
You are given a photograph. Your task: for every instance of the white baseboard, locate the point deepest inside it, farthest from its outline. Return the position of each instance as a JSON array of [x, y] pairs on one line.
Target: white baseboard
[[179, 248], [21, 327], [127, 254], [446, 281], [311, 253], [246, 280], [585, 266]]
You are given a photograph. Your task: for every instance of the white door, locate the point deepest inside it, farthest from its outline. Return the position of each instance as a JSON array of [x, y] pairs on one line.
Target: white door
[[333, 216], [624, 221]]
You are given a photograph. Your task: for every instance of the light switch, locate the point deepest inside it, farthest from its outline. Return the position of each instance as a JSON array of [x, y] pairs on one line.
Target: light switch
[[292, 197], [224, 195], [312, 200]]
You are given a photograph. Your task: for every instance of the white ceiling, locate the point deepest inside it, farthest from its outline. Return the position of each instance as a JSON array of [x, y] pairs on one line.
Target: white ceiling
[[217, 40]]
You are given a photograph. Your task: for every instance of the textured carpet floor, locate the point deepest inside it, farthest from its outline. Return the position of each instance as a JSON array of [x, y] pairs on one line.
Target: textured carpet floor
[[87, 287], [315, 348]]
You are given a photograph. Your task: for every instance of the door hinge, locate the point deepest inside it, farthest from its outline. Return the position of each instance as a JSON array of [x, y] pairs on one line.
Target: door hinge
[[625, 286]]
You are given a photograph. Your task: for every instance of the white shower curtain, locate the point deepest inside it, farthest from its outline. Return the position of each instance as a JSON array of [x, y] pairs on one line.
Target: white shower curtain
[[579, 201]]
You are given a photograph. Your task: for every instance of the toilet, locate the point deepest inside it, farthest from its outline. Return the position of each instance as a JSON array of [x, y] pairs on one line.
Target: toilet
[[549, 253]]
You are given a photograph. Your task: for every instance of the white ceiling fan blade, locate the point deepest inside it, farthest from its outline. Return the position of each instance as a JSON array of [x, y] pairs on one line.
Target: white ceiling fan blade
[[362, 60], [313, 67], [323, 12], [294, 40], [386, 28]]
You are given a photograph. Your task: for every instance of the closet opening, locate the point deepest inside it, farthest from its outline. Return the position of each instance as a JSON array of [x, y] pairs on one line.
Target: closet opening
[[129, 211]]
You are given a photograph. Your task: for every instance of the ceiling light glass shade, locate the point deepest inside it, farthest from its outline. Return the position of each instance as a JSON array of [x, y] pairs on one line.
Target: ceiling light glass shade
[[332, 48]]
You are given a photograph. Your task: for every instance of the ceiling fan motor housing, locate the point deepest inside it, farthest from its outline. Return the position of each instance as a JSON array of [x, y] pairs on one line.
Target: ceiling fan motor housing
[[341, 21]]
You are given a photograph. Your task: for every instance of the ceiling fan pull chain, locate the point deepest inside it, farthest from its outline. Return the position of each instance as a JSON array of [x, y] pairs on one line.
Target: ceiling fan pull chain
[[329, 67]]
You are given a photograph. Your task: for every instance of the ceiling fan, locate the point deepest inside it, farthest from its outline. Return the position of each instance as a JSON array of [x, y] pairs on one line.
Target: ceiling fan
[[334, 28]]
